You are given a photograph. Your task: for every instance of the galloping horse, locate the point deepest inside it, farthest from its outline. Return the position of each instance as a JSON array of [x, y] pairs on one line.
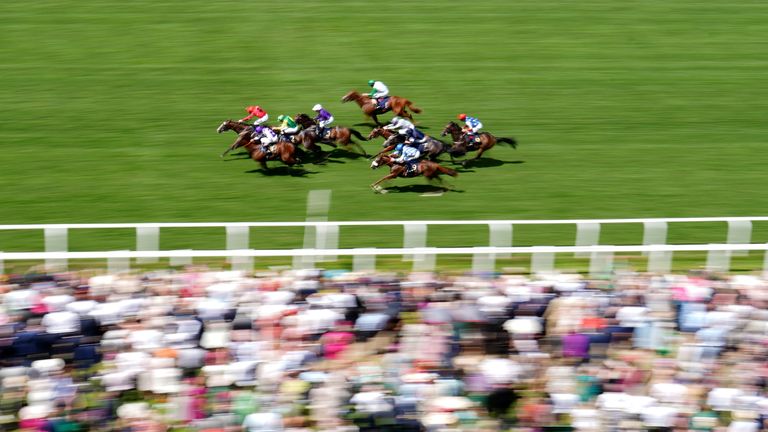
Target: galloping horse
[[398, 105], [336, 135], [432, 148], [282, 150], [461, 146], [428, 169], [243, 131]]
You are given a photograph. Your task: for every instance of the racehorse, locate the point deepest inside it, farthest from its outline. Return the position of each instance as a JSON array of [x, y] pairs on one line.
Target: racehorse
[[398, 105], [432, 148], [430, 170], [243, 131], [282, 150], [335, 135], [461, 146]]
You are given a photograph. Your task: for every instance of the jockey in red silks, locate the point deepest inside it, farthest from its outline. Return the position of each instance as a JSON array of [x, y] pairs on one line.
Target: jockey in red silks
[[258, 112]]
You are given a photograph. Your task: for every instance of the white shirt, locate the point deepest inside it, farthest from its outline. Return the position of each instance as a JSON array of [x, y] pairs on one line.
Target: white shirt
[[61, 322], [19, 299], [381, 89]]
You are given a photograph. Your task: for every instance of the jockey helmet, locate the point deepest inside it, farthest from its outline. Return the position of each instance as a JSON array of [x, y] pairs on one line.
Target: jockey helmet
[[462, 117], [317, 107], [250, 108], [371, 82], [399, 148], [395, 120], [281, 117], [258, 129]]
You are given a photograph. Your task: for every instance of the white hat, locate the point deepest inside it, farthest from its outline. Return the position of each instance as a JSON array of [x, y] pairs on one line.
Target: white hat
[[317, 107], [134, 410]]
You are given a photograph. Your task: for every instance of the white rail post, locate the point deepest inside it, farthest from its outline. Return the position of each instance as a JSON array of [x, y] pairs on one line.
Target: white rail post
[[542, 261], [654, 233], [414, 236], [147, 239], [238, 239], [765, 264], [500, 235], [739, 232], [118, 264], [483, 262], [718, 260], [180, 261], [304, 262], [56, 241], [424, 262], [319, 237], [2, 265], [363, 263], [587, 234], [600, 264], [659, 262]]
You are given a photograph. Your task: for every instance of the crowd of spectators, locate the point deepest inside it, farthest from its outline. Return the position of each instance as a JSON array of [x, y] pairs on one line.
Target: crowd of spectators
[[322, 350]]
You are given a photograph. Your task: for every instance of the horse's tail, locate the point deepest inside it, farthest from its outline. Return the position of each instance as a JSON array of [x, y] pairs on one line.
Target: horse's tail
[[357, 135], [413, 107], [444, 170], [510, 141]]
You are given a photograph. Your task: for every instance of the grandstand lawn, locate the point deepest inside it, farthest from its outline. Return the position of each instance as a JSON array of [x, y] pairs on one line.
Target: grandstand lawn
[[108, 111]]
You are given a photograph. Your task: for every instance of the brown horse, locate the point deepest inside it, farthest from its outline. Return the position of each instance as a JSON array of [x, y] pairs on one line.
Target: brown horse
[[432, 148], [282, 150], [335, 135], [428, 169], [398, 105], [461, 145], [243, 131]]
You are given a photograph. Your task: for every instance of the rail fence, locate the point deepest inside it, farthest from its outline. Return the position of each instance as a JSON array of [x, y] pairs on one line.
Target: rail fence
[[321, 243]]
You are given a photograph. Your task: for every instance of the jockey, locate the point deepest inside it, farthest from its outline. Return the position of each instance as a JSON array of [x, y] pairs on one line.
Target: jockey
[[406, 155], [415, 138], [471, 126], [258, 112], [379, 92], [323, 119], [266, 135], [288, 126], [403, 125]]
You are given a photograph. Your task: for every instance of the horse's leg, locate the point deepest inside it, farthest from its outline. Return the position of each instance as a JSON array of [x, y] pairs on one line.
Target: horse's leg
[[376, 186]]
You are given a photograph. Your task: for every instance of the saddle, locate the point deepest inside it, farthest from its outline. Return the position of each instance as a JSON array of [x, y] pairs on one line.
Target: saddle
[[381, 103], [472, 140], [411, 169]]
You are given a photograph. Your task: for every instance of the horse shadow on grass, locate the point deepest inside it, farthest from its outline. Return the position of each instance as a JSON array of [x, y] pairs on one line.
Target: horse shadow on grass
[[484, 163], [282, 171], [422, 189]]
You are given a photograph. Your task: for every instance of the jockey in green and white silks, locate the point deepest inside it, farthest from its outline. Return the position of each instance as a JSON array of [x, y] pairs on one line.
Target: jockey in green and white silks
[[379, 93], [287, 125]]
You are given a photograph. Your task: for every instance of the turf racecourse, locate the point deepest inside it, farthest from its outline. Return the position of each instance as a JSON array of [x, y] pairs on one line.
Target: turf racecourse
[[108, 112]]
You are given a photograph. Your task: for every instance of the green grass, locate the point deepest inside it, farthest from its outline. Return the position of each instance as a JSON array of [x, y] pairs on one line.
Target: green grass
[[108, 112]]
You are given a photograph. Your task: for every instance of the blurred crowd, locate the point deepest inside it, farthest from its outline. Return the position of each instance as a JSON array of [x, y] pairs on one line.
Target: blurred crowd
[[319, 350]]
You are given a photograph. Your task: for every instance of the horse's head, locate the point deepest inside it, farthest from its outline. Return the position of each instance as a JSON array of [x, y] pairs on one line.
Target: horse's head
[[353, 95], [375, 133], [304, 120], [450, 128], [225, 126], [382, 159]]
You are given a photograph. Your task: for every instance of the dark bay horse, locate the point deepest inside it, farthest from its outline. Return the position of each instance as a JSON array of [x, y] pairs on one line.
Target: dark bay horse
[[309, 137], [432, 148], [461, 146], [243, 131], [398, 105], [430, 170]]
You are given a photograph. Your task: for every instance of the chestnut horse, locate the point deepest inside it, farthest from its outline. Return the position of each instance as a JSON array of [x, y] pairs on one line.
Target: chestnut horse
[[243, 131], [335, 135], [461, 146], [430, 170], [432, 148], [398, 105], [282, 150]]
